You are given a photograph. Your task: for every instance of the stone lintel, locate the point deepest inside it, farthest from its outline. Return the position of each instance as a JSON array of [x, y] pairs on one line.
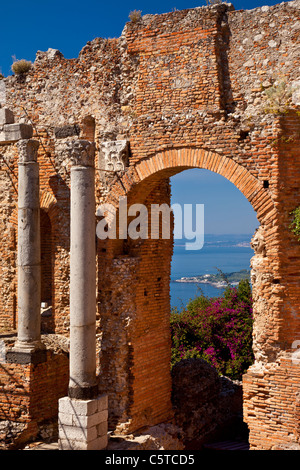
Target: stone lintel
[[66, 131], [13, 132]]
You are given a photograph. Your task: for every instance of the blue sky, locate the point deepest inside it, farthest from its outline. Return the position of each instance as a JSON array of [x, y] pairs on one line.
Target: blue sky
[[226, 210], [32, 25]]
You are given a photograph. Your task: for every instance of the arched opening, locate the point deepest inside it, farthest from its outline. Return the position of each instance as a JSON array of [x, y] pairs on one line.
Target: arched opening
[[211, 309], [229, 224], [134, 295]]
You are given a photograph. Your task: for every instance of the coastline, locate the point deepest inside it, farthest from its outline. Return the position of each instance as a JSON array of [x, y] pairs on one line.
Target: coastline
[[219, 281]]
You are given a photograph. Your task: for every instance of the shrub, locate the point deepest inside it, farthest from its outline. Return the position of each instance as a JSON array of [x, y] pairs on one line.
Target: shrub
[[20, 67], [278, 98], [295, 225], [135, 16], [218, 330]]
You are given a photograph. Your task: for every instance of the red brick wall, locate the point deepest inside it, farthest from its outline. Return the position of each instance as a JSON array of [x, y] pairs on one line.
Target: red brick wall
[[29, 394], [46, 258]]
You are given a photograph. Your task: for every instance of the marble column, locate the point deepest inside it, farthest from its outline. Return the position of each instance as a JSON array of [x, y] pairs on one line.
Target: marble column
[[83, 414], [29, 262], [82, 272]]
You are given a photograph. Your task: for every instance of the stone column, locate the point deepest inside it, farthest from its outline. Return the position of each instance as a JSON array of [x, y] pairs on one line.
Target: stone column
[[82, 273], [29, 263], [83, 414]]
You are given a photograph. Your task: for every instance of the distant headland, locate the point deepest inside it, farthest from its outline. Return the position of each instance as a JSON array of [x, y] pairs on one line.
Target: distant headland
[[219, 280]]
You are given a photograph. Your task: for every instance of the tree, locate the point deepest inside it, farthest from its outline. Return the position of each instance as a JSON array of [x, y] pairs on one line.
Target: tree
[[218, 330]]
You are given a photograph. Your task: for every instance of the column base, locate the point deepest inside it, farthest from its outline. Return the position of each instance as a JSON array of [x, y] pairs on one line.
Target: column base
[[83, 393], [27, 353], [82, 424]]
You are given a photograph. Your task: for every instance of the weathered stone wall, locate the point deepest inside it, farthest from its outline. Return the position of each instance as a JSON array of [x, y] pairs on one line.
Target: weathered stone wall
[[175, 91]]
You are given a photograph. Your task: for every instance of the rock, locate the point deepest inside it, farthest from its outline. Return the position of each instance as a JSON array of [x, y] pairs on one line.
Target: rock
[[165, 436], [272, 43], [204, 403]]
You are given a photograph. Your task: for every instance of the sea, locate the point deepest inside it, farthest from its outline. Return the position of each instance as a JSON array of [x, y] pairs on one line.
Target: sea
[[227, 253]]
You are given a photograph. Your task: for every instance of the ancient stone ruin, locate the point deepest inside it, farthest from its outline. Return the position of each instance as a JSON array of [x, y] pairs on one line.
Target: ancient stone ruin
[[84, 321]]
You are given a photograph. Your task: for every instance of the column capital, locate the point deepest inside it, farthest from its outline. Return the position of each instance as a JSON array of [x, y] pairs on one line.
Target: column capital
[[27, 150], [78, 152]]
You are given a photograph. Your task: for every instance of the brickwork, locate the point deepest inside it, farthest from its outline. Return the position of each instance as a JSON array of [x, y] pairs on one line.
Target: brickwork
[[180, 90], [30, 394]]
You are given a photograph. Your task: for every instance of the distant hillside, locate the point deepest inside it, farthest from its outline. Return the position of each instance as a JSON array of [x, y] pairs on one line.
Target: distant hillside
[[218, 280]]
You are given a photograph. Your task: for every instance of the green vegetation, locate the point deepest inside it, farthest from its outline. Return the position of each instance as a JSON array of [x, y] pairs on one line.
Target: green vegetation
[[295, 225], [230, 277], [220, 279], [278, 98], [218, 330]]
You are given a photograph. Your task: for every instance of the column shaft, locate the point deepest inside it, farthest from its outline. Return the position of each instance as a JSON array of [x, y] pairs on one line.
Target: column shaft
[[29, 265], [83, 281], [83, 414]]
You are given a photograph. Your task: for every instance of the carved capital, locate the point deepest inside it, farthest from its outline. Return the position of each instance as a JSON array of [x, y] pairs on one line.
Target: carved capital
[[77, 152], [113, 155], [28, 149]]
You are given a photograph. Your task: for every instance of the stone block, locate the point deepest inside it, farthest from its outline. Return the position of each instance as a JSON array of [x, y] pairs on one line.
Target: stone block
[[102, 402], [66, 131], [14, 132], [114, 155], [6, 116], [92, 420], [83, 423], [2, 93], [100, 443], [78, 407], [65, 419], [78, 433], [102, 429]]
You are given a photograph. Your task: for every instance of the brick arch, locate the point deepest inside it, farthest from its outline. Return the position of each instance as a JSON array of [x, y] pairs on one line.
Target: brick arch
[[168, 162], [49, 210], [146, 267], [48, 203]]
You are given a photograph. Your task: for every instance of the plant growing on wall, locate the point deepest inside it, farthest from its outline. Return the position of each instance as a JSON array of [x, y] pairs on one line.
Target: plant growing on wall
[[295, 225], [20, 67], [218, 330], [135, 16], [278, 98]]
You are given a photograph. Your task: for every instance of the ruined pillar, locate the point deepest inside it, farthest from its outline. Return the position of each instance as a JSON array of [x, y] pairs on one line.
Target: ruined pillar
[[83, 382], [29, 265], [83, 414]]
